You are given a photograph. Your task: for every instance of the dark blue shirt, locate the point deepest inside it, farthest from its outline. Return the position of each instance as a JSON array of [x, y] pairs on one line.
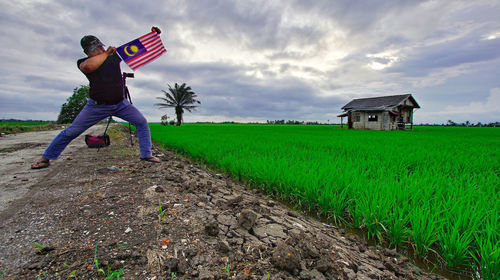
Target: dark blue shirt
[[106, 81]]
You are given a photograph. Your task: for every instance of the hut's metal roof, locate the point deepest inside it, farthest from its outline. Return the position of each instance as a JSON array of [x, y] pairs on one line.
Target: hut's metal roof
[[381, 103]]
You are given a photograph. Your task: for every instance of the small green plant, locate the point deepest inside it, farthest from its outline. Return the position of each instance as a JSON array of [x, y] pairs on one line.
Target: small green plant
[[41, 275], [2, 274], [227, 269], [162, 212], [114, 275], [40, 247], [173, 276], [111, 275], [72, 274]]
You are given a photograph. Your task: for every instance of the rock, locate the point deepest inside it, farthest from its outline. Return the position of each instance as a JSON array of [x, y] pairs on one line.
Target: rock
[[159, 189], [309, 249], [388, 264], [212, 228], [235, 200], [150, 192], [292, 214], [223, 246], [172, 264], [206, 275], [155, 260], [372, 255], [402, 260], [350, 274], [311, 275], [362, 248], [35, 266], [286, 258], [201, 204], [182, 266], [227, 220], [128, 230], [324, 265], [390, 253], [274, 230], [247, 219]]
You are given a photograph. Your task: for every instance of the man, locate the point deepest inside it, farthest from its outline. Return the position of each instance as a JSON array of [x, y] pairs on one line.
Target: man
[[102, 68]]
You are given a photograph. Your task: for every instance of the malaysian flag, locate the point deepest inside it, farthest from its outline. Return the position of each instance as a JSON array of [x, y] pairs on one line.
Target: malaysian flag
[[142, 50]]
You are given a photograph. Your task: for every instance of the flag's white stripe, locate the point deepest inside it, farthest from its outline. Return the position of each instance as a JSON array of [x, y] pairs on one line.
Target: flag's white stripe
[[139, 61], [154, 48], [149, 60], [148, 49], [152, 43], [131, 61], [145, 57]]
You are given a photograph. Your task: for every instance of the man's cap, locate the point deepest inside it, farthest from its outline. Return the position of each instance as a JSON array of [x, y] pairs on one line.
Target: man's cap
[[90, 42]]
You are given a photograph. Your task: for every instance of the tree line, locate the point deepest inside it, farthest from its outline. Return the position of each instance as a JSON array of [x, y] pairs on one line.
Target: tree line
[[179, 97]]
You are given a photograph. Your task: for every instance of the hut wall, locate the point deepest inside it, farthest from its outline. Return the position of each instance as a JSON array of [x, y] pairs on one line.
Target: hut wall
[[406, 114], [365, 120]]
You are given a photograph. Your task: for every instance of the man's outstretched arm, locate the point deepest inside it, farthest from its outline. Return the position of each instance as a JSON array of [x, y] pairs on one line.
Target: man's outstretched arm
[[95, 61]]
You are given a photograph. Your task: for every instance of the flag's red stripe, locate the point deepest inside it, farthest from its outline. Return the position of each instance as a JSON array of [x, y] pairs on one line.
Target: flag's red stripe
[[154, 48], [148, 40], [147, 35], [147, 61], [149, 47], [153, 43], [137, 61], [148, 51], [150, 59]]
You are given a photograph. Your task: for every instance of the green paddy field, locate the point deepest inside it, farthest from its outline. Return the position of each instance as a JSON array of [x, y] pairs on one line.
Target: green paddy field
[[434, 190]]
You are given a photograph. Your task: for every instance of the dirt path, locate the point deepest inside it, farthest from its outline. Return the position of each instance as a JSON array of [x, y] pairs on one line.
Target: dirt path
[[18, 151], [84, 208]]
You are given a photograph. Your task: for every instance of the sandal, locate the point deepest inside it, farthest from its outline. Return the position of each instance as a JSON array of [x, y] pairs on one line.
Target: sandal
[[40, 164], [152, 159]]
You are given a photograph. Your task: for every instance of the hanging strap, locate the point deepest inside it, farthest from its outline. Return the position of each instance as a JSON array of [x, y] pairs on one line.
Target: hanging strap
[[130, 133], [109, 121]]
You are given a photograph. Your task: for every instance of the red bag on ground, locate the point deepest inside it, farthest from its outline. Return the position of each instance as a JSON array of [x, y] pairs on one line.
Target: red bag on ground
[[97, 141]]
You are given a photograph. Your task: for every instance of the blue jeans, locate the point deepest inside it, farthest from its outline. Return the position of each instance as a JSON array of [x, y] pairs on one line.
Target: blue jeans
[[92, 114]]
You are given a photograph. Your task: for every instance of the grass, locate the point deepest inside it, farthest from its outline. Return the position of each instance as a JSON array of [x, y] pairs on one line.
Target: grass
[[23, 123], [110, 275], [434, 188], [4, 272], [163, 212], [19, 127]]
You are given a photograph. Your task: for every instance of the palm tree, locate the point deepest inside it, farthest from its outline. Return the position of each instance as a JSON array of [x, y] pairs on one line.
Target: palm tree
[[180, 98]]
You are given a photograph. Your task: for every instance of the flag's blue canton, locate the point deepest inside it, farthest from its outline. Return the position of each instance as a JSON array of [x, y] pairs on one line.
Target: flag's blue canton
[[131, 49]]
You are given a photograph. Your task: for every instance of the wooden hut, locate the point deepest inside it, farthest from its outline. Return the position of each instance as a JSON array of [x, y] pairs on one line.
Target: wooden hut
[[380, 113]]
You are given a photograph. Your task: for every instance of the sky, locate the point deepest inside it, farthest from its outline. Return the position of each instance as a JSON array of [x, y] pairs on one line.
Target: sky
[[252, 61]]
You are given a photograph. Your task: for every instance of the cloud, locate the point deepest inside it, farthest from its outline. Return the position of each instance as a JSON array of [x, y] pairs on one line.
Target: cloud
[[490, 106], [485, 111], [469, 49]]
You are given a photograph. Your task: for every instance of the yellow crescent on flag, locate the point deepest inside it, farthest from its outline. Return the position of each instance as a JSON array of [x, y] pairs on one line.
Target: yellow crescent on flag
[[133, 48]]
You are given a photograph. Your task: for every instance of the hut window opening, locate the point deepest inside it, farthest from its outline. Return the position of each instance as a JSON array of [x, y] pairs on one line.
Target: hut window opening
[[372, 118]]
